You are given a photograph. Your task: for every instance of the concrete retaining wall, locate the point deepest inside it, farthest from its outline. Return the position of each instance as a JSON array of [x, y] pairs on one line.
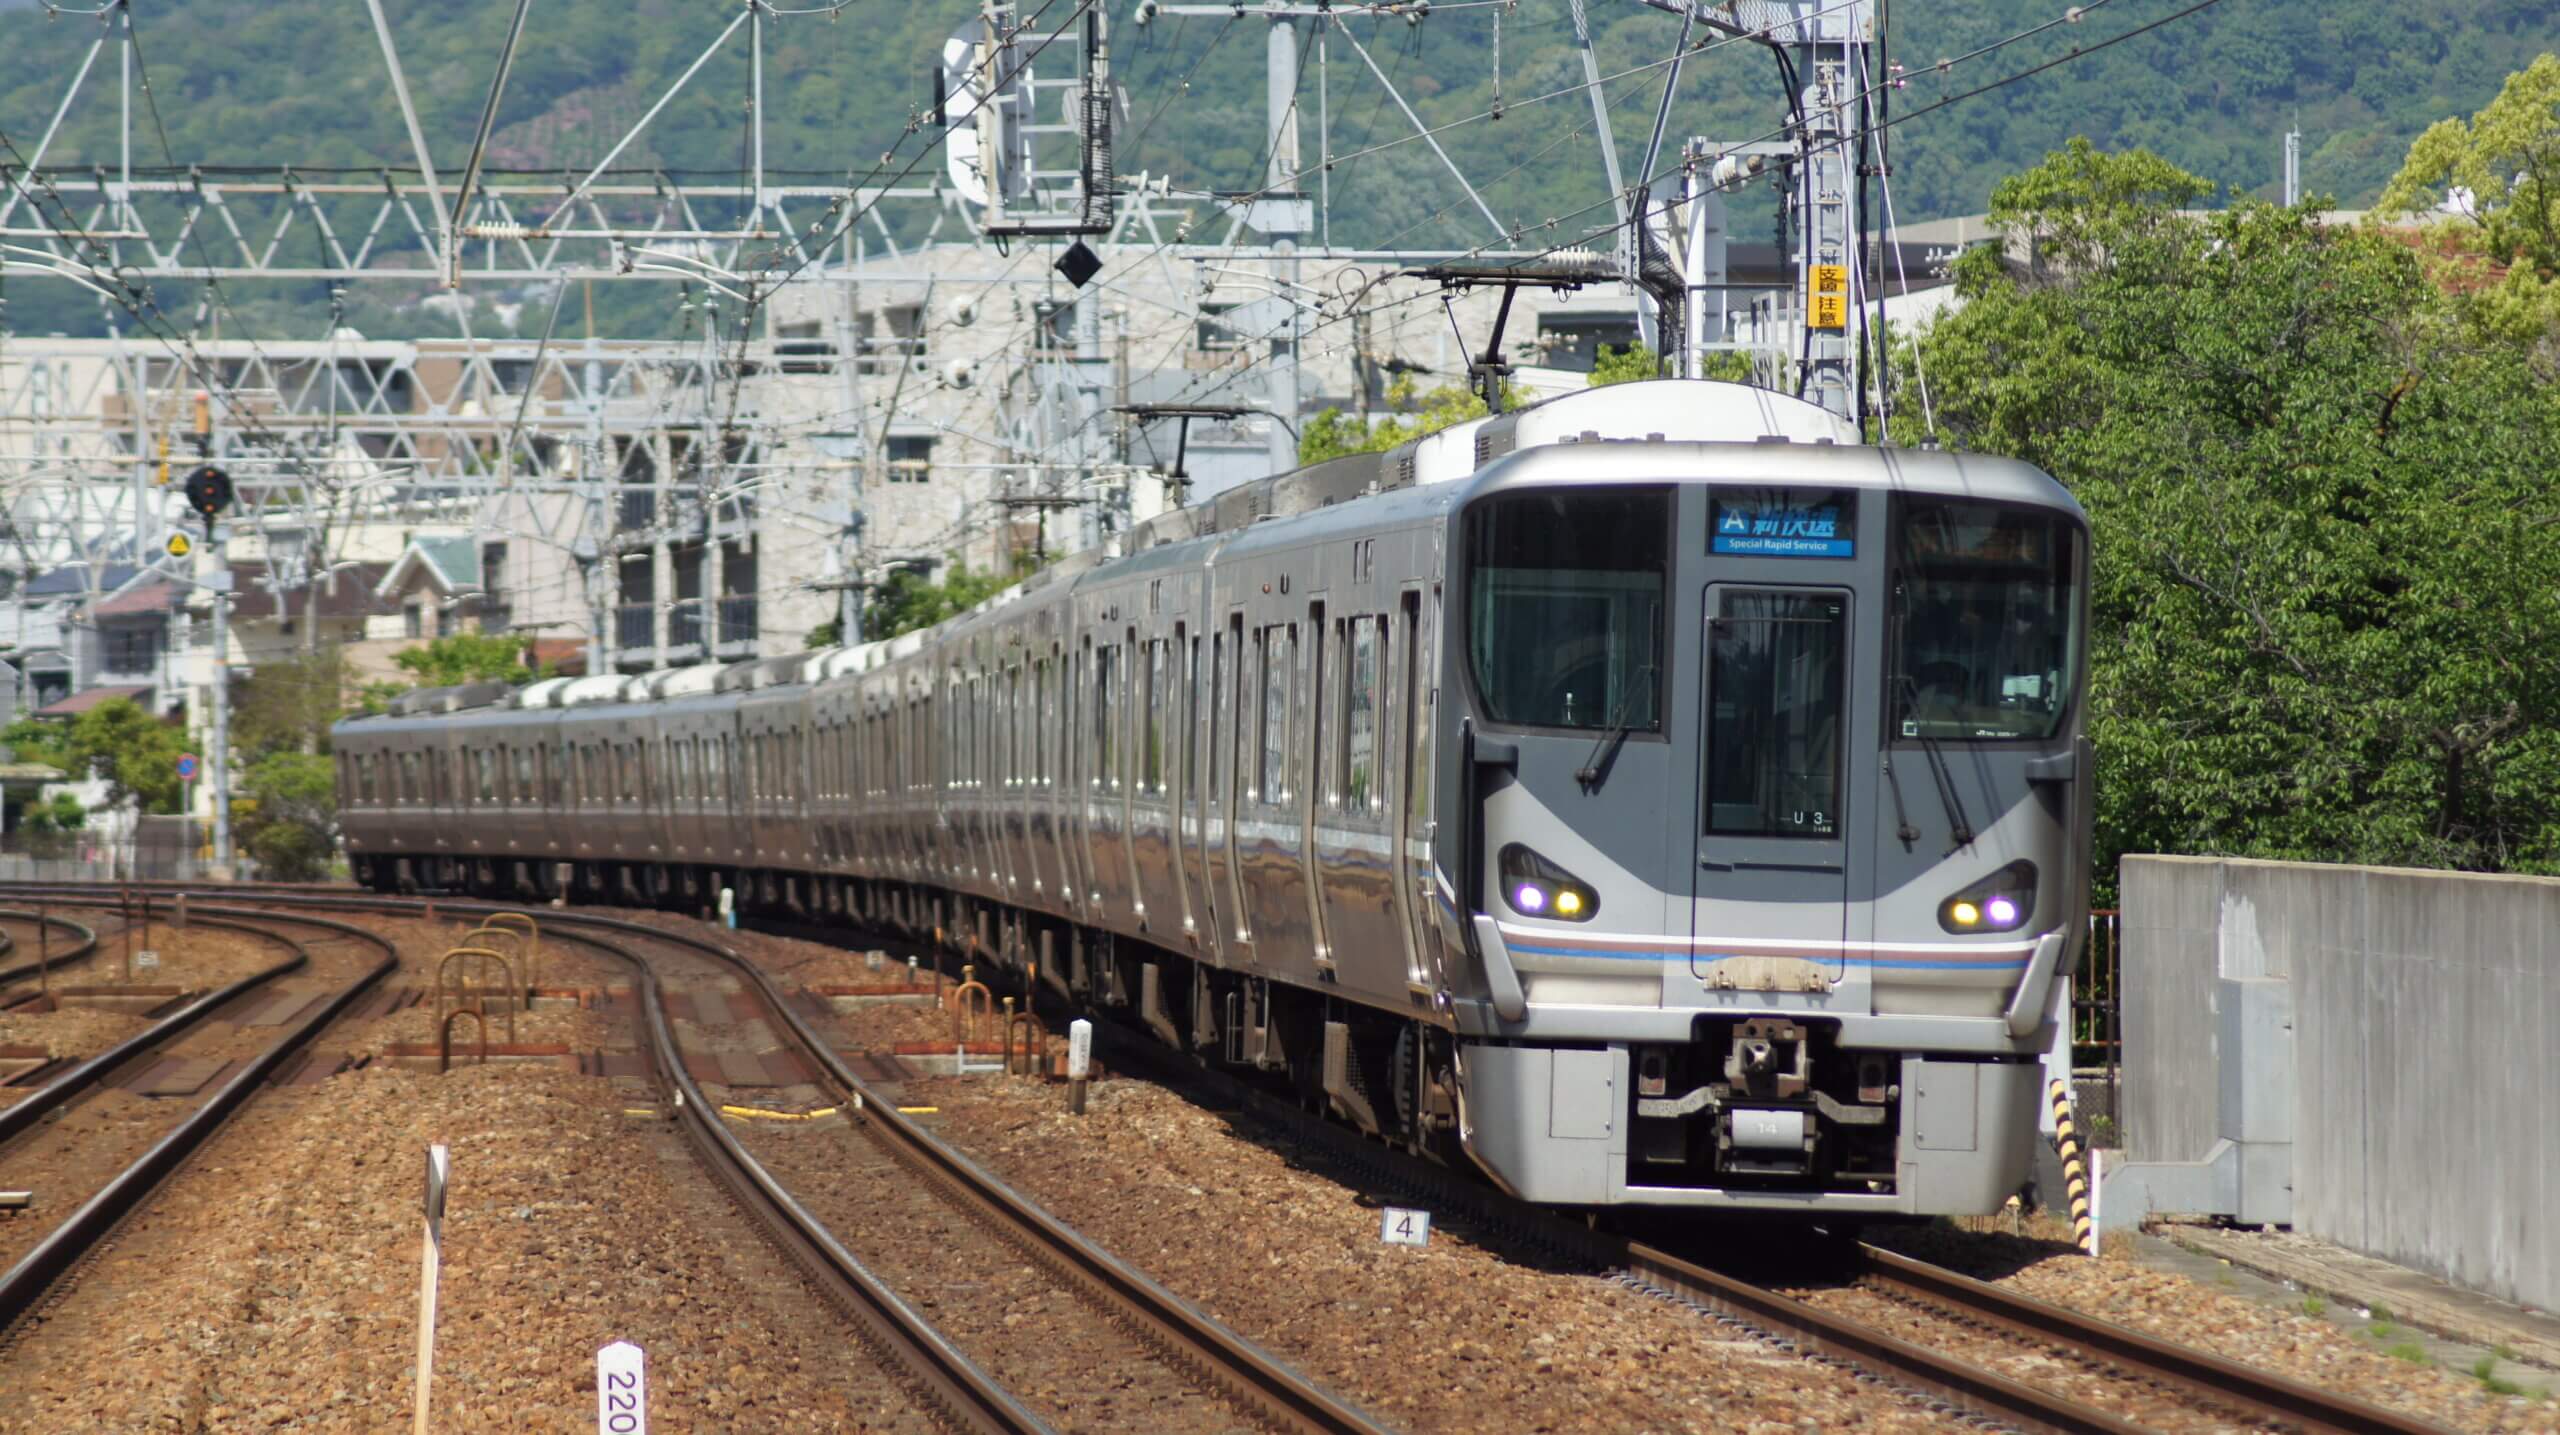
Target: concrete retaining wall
[[2426, 1050]]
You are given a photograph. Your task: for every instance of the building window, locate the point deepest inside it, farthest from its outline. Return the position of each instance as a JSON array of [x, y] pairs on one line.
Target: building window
[[910, 459], [1212, 333], [1572, 342], [131, 650], [890, 337], [497, 615]]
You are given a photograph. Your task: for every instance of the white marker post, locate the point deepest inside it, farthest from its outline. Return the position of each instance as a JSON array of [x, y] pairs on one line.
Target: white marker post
[[622, 1390], [729, 908], [430, 1262], [1079, 1062], [1403, 1227]]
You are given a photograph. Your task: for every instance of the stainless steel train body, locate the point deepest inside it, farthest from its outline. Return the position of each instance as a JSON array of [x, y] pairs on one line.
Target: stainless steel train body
[[1651, 820]]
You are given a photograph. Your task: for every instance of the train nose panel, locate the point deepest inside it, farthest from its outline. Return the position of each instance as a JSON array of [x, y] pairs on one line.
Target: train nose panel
[[1770, 895]]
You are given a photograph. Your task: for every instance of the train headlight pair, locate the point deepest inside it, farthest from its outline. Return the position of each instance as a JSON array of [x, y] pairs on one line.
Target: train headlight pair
[[2001, 902], [1536, 887]]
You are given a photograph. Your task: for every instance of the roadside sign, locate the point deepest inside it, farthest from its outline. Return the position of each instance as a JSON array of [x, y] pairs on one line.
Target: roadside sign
[[179, 545], [186, 767], [146, 961], [1402, 1227]]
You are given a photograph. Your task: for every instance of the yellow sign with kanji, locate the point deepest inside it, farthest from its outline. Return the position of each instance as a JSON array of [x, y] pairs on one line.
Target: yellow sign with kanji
[[1826, 296], [178, 545]]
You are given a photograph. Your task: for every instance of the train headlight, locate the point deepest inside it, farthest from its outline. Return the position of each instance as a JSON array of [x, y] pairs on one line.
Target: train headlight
[[1536, 887], [2001, 902]]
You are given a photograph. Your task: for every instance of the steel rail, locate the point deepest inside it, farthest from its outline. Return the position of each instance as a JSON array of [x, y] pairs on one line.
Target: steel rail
[[24, 1286], [70, 1082], [2259, 1394], [1936, 1375], [86, 942], [963, 1392], [1254, 1376]]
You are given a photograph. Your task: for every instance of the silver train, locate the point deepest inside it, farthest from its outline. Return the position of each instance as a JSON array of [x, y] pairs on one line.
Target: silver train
[[1653, 796]]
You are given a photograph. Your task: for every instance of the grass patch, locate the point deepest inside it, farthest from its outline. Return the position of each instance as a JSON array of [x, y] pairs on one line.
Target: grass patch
[[2408, 1350], [2314, 1306], [2381, 1330], [2485, 1370]]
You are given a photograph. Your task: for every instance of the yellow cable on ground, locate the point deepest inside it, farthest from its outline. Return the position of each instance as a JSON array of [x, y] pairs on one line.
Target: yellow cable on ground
[[2075, 1176], [760, 1113]]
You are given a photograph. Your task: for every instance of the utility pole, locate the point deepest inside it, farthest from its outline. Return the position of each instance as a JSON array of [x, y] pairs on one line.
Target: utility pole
[[1826, 42], [1281, 79], [2292, 168], [221, 754]]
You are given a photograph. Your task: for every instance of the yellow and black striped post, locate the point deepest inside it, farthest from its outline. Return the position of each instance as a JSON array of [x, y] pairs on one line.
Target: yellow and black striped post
[[2075, 1176]]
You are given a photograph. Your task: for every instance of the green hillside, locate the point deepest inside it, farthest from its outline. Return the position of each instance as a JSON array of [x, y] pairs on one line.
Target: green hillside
[[267, 83]]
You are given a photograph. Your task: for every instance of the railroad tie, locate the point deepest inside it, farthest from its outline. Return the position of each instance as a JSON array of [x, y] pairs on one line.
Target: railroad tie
[[2075, 1176]]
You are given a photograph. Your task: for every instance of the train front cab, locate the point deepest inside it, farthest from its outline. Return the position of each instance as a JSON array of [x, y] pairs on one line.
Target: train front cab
[[1774, 824]]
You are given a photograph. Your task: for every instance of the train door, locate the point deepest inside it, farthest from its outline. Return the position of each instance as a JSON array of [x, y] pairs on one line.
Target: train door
[[1189, 700], [1771, 895], [1226, 662], [1315, 739], [1417, 891]]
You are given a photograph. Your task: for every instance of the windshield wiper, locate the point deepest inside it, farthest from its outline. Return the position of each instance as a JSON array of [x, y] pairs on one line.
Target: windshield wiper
[[1604, 753], [1961, 826]]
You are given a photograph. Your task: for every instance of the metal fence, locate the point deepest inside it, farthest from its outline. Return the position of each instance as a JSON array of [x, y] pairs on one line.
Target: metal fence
[[2097, 988], [168, 849]]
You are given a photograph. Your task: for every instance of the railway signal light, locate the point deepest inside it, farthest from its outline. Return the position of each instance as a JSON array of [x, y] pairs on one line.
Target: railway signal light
[[209, 493]]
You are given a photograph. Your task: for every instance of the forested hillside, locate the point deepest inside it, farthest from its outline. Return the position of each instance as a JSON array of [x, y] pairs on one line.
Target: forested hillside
[[300, 82]]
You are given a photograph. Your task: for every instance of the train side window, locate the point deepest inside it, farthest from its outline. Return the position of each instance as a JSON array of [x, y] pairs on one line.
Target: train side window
[[1319, 772], [1104, 768], [1189, 775], [1418, 690], [1360, 724], [1279, 658], [1153, 772]]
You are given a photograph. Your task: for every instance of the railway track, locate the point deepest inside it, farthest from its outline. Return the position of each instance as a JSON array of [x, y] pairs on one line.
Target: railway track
[[81, 943], [1257, 1384], [2174, 1386], [124, 1189], [2197, 1385]]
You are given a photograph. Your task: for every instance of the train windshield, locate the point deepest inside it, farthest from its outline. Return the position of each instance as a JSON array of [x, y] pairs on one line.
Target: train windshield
[[1565, 604], [1986, 621]]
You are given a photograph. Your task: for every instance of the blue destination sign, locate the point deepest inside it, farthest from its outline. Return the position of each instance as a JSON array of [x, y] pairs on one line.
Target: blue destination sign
[[1783, 530]]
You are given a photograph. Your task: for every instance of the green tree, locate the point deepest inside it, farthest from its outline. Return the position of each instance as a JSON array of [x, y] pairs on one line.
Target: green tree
[[289, 705], [455, 659], [2502, 250], [825, 635], [34, 740], [60, 813], [1333, 433], [2321, 504], [2508, 158], [136, 753], [1632, 364], [909, 601], [290, 824]]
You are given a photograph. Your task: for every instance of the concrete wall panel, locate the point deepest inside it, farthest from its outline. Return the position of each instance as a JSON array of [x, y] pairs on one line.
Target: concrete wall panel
[[2170, 932], [2425, 1064]]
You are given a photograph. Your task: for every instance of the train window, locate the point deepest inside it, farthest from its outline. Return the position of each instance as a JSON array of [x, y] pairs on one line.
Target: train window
[[1152, 773], [1279, 658], [1319, 771], [1565, 606], [1360, 720], [1986, 621], [1106, 771], [408, 777], [1776, 678], [1417, 708], [1199, 675], [488, 780], [524, 774]]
